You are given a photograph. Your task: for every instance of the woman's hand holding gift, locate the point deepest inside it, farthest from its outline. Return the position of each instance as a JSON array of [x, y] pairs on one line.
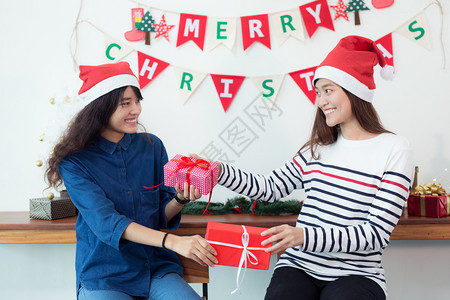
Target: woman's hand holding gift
[[194, 247], [188, 193]]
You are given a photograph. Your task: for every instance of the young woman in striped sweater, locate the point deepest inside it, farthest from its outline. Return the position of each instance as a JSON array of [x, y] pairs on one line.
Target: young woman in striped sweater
[[356, 176]]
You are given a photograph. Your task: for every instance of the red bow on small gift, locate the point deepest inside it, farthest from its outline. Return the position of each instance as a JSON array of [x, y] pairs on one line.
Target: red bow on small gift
[[191, 163]]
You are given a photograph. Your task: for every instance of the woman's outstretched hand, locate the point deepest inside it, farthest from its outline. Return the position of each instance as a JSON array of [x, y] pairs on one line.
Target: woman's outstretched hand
[[194, 247], [286, 237]]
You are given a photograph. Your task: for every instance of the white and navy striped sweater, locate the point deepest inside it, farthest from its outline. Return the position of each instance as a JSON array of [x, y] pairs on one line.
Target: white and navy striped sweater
[[354, 197]]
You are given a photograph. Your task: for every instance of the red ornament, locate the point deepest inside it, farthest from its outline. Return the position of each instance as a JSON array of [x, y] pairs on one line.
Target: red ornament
[[382, 3], [162, 28], [339, 9]]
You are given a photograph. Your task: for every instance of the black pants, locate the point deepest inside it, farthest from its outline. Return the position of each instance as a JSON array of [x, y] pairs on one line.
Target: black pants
[[289, 283]]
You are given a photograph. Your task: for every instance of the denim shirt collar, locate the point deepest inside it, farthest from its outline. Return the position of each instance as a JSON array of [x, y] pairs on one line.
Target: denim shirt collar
[[110, 147]]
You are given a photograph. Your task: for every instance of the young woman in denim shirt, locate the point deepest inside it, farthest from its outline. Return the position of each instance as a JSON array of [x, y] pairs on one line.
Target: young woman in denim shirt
[[104, 164]]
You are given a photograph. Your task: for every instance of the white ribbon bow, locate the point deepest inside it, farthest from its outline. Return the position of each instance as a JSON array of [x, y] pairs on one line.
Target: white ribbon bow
[[246, 255]]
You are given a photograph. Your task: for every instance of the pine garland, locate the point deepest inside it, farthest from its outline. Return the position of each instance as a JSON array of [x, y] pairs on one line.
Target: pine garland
[[244, 205]]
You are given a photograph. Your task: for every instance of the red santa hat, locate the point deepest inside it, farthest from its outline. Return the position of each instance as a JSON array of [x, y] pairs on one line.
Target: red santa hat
[[102, 79], [350, 64]]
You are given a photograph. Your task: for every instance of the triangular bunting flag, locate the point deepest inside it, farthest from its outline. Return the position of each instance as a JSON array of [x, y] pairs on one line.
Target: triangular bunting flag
[[149, 68], [316, 14], [286, 24], [220, 31], [115, 50], [188, 81], [269, 86], [227, 87], [304, 79], [255, 29], [192, 27], [416, 30], [385, 45]]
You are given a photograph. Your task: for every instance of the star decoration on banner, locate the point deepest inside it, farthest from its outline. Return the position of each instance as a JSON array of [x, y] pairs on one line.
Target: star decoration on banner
[[339, 9], [162, 28]]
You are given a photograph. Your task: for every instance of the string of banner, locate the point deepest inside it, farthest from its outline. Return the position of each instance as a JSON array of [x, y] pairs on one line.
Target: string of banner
[[216, 31]]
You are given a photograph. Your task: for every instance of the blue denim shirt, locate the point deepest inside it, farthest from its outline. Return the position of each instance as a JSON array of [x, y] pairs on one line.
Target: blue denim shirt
[[105, 182]]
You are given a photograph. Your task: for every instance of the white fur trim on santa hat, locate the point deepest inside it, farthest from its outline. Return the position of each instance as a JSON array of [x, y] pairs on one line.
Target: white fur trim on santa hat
[[107, 85], [346, 81]]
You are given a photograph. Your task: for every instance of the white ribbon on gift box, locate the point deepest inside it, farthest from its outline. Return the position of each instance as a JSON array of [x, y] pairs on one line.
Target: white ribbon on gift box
[[246, 255]]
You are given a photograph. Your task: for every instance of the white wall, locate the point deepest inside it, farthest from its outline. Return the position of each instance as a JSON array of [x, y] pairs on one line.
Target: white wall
[[36, 65]]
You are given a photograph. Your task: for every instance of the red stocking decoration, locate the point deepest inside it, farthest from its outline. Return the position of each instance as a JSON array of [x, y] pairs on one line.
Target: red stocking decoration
[[135, 35]]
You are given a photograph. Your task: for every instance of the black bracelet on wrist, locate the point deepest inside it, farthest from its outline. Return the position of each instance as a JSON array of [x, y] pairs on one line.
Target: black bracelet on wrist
[[164, 240], [182, 202]]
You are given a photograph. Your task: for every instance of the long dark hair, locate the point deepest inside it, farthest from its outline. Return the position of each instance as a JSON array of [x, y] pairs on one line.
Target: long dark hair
[[322, 134], [87, 126]]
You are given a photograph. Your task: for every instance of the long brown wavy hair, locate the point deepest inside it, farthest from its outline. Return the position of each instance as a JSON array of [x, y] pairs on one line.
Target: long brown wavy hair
[[322, 134], [87, 126]]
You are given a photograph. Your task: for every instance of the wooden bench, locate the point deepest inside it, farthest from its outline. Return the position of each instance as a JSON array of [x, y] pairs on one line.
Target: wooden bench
[[195, 273]]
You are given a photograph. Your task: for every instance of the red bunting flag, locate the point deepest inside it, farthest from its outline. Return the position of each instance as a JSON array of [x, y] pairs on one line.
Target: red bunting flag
[[149, 68], [227, 87], [304, 79], [316, 14], [385, 45], [255, 29], [192, 27]]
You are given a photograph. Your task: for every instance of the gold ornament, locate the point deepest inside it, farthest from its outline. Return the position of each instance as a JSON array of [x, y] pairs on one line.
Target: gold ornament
[[52, 100], [41, 138], [39, 163], [67, 99], [50, 196]]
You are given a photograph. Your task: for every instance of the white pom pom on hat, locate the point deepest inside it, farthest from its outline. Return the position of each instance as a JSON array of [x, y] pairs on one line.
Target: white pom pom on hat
[[387, 72], [102, 79], [350, 64]]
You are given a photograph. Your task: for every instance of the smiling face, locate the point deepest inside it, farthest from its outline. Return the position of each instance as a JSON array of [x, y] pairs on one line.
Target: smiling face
[[125, 117], [335, 104]]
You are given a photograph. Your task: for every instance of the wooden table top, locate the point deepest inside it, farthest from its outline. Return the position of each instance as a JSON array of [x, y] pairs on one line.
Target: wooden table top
[[408, 228], [21, 220]]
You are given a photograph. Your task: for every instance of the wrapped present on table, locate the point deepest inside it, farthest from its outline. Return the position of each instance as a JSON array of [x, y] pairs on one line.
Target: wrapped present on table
[[198, 172], [429, 201], [238, 246], [52, 209]]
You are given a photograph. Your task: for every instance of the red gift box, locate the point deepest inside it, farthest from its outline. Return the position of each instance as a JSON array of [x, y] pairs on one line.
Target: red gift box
[[429, 206], [228, 240], [198, 172]]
